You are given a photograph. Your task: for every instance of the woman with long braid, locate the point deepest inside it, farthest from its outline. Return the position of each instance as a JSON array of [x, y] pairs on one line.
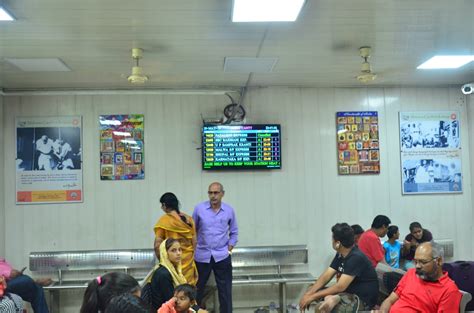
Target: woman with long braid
[[177, 225]]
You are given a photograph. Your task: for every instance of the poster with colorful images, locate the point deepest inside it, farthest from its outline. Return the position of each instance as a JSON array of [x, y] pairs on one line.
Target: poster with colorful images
[[358, 143], [122, 145], [48, 159], [430, 148]]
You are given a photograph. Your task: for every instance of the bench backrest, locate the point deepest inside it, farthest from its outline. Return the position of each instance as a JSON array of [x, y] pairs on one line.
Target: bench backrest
[[90, 260], [145, 258], [242, 257], [448, 247], [269, 256]]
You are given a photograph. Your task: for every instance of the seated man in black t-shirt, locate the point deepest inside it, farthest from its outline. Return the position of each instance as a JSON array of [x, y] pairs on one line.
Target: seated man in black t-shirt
[[356, 280]]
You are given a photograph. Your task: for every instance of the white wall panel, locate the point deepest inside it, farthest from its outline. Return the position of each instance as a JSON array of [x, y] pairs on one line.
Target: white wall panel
[[2, 181], [295, 205]]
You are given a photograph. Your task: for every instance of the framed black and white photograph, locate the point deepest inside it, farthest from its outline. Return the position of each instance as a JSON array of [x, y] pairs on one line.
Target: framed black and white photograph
[[49, 159], [430, 149]]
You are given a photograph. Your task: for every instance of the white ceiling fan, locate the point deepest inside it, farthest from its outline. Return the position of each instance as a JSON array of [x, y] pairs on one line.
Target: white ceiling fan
[[137, 77], [366, 75]]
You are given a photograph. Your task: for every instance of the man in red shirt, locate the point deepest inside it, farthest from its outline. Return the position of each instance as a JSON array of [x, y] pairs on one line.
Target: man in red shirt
[[424, 288], [369, 242]]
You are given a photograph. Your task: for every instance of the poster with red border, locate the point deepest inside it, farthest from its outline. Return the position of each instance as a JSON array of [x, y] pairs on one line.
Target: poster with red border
[[48, 159]]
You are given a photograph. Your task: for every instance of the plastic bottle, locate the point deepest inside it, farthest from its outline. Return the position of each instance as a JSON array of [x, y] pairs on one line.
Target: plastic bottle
[[292, 308], [272, 307]]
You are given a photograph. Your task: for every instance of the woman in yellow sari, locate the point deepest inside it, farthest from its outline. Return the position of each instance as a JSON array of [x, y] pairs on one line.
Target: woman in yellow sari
[[177, 225]]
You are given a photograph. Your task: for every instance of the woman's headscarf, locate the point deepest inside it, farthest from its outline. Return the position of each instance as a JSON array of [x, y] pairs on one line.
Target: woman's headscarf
[[176, 272]]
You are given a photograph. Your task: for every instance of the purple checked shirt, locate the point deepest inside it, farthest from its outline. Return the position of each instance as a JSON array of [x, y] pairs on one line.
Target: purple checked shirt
[[215, 232]]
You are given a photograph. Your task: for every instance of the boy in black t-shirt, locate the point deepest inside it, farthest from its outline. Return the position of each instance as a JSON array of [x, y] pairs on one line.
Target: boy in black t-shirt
[[357, 284]]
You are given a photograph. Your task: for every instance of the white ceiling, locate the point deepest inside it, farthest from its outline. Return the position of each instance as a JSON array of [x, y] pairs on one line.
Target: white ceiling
[[186, 41]]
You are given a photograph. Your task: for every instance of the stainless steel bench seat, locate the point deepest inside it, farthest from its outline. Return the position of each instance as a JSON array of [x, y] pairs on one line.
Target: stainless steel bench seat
[[251, 265]]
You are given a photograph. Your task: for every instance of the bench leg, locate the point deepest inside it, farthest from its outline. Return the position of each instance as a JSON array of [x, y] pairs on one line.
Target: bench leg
[[216, 301], [283, 297], [54, 301]]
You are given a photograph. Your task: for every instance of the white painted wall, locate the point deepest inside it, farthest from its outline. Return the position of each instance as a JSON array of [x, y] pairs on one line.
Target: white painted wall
[[470, 114], [2, 181], [295, 205]]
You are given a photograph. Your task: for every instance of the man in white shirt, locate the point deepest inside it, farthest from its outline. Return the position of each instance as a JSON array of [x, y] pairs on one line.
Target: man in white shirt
[[44, 146]]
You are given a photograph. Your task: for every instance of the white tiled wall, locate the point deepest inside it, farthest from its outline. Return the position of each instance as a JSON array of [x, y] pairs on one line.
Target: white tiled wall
[[295, 205]]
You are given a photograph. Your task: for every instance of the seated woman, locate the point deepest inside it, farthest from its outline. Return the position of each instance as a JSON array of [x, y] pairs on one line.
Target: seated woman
[[9, 302], [168, 275], [416, 236], [101, 290], [356, 280], [24, 286]]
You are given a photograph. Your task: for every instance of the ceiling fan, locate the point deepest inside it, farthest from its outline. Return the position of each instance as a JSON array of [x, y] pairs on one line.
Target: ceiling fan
[[137, 77], [366, 75]]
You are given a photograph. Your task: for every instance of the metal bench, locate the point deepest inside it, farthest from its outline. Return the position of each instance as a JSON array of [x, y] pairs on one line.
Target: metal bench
[[252, 265], [280, 265], [74, 269]]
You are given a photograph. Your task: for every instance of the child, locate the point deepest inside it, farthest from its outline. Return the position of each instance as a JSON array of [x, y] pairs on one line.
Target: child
[[183, 301], [101, 290], [392, 247]]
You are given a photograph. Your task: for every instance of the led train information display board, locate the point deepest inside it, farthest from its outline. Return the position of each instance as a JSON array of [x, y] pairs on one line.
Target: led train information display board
[[241, 147]]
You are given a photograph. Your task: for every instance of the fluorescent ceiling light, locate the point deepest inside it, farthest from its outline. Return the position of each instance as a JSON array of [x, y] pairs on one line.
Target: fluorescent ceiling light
[[446, 61], [266, 10], [5, 16], [39, 64]]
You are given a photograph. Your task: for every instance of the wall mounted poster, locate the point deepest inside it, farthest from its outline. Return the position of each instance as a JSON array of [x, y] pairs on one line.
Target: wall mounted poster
[[122, 146], [48, 159], [430, 152], [358, 143]]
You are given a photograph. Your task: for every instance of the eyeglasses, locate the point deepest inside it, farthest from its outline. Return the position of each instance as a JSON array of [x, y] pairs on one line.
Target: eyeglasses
[[423, 262], [213, 192]]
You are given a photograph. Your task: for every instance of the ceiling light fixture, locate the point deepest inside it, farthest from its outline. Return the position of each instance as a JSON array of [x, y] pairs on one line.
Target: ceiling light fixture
[[266, 10], [5, 15], [446, 61]]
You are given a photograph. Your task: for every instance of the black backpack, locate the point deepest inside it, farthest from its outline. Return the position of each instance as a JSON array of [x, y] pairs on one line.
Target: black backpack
[[390, 280]]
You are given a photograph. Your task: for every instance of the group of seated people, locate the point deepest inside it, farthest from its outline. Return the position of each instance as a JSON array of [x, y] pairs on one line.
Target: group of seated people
[[118, 292], [165, 291], [396, 254], [177, 236], [115, 292], [424, 287]]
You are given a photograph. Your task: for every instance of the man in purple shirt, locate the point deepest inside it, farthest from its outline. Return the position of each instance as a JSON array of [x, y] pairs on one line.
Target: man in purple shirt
[[216, 228]]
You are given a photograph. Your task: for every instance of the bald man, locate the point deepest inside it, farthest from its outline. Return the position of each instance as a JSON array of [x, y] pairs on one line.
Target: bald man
[[217, 234], [424, 288]]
